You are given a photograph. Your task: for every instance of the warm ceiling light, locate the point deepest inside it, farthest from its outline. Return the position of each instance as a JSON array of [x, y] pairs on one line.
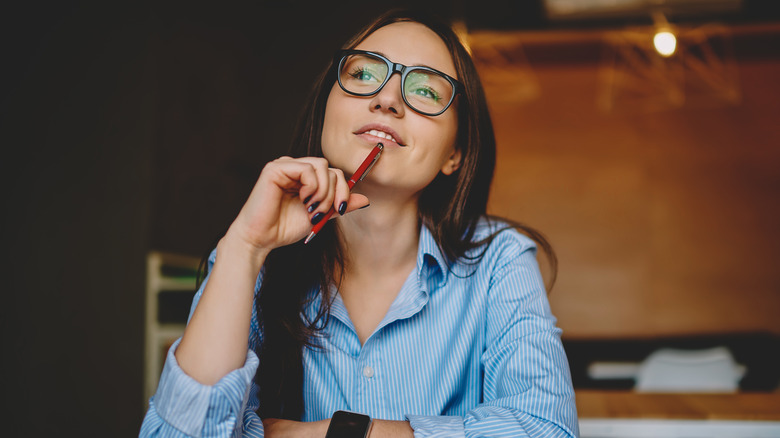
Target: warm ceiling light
[[665, 43]]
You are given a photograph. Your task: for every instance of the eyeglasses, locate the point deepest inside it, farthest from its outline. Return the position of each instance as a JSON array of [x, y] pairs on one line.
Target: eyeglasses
[[424, 89]]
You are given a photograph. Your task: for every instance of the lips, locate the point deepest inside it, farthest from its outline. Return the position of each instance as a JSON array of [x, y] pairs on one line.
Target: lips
[[382, 132]]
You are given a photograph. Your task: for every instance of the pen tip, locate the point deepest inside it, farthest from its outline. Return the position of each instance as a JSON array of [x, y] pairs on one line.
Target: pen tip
[[311, 236]]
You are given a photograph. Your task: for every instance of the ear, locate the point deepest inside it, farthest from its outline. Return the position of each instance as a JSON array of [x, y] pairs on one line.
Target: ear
[[452, 164]]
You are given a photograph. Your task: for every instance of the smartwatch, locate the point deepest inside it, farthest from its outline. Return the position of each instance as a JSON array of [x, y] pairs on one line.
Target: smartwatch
[[345, 424]]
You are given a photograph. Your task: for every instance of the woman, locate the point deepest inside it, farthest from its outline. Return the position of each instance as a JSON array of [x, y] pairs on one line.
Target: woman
[[418, 311]]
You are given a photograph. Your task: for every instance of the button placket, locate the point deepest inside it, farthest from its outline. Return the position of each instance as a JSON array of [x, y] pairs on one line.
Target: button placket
[[367, 367], [366, 374]]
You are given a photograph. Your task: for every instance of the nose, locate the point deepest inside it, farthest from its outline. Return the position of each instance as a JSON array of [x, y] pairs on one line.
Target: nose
[[389, 98]]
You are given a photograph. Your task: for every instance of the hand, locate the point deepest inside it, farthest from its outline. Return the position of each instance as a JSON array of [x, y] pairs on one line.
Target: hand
[[276, 428], [275, 214]]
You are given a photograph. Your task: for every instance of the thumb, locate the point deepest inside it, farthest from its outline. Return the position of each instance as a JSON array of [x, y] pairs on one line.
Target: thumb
[[356, 201]]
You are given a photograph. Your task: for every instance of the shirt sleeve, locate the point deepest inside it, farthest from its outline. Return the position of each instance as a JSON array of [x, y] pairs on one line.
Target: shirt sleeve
[[527, 389], [183, 407]]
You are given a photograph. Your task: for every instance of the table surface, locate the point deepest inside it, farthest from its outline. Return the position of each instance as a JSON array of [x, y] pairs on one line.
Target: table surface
[[629, 404]]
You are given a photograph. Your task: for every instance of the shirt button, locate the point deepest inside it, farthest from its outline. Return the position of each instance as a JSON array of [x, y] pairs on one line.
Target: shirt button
[[368, 372]]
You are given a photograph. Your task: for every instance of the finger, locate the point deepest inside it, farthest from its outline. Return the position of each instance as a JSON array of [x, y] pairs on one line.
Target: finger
[[291, 175], [356, 201], [313, 198], [327, 201], [341, 195], [273, 205]]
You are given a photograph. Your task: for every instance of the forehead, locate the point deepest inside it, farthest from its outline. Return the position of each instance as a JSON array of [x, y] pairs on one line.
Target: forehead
[[410, 43]]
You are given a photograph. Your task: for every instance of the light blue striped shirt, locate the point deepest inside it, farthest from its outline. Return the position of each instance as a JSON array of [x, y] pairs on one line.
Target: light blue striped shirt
[[456, 355]]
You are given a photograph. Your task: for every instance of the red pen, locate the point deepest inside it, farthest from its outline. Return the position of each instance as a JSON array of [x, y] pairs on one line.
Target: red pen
[[359, 174]]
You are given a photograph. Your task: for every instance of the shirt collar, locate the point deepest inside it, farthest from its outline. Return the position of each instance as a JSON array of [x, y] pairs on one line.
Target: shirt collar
[[431, 263], [432, 272]]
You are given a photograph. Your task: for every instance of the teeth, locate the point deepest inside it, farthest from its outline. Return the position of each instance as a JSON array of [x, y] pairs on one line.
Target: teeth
[[381, 134]]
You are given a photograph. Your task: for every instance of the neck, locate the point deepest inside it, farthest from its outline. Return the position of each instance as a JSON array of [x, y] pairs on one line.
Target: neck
[[382, 238]]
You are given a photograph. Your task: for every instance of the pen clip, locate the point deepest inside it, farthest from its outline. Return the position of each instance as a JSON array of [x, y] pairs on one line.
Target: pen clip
[[381, 147]]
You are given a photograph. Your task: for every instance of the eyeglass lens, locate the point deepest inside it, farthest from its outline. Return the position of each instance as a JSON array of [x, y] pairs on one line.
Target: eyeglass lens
[[425, 90]]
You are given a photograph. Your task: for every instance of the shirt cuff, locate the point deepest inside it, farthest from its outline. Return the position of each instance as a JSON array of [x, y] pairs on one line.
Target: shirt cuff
[[436, 426], [183, 402]]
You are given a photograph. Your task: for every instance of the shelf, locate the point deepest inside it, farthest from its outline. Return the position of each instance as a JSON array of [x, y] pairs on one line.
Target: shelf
[[161, 309], [169, 331], [176, 284]]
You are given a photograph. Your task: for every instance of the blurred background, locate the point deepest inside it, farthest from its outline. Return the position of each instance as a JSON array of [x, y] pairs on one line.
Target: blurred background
[[132, 133]]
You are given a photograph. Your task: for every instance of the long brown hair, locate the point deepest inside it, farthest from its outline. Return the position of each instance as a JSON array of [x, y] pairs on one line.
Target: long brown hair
[[451, 206]]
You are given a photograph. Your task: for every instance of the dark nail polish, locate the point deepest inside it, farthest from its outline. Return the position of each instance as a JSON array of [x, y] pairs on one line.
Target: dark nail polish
[[313, 206], [317, 218], [365, 206], [343, 208], [308, 198]]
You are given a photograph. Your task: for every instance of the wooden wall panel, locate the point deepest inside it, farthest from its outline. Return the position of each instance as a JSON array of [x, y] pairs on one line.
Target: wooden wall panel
[[664, 222]]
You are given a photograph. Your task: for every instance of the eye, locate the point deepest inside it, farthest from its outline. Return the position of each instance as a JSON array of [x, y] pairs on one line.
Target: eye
[[424, 86], [363, 74], [427, 92]]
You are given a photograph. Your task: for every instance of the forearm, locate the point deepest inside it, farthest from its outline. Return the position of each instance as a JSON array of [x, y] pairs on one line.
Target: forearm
[[215, 340], [391, 429]]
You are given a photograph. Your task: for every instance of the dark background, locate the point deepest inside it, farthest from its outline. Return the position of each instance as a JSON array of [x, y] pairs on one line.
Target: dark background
[[127, 128], [133, 127]]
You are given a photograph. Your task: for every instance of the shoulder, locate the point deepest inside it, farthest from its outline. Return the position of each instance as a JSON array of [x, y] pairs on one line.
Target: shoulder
[[501, 238], [497, 245], [509, 260]]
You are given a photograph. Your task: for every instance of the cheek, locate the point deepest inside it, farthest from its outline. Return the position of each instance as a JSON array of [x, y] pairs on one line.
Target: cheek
[[453, 136], [447, 137], [330, 120], [434, 140]]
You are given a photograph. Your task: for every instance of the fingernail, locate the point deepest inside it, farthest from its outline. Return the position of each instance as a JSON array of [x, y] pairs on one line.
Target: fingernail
[[364, 206], [343, 208], [313, 206], [317, 217], [308, 198]]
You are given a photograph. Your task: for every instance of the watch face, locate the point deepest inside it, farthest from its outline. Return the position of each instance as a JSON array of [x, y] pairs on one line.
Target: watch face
[[348, 425]]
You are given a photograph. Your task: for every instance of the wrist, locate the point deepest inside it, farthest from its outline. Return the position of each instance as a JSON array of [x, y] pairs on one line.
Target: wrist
[[233, 246], [345, 424], [288, 428]]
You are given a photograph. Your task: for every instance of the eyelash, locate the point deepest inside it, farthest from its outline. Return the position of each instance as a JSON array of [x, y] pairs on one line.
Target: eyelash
[[434, 95], [359, 71]]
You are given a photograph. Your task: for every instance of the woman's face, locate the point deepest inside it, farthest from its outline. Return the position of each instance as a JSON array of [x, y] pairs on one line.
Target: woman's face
[[423, 146]]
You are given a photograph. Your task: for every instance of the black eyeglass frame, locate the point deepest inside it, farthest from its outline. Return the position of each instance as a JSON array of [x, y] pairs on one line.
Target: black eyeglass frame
[[393, 68]]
